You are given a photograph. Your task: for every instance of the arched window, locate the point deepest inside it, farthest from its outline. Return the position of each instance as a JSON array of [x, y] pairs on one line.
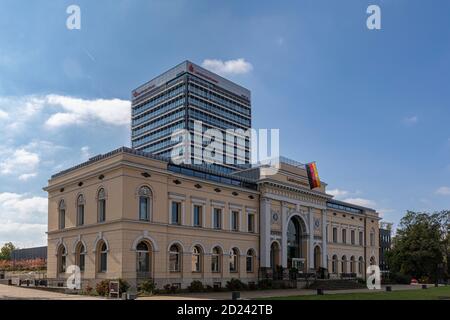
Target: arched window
[[142, 259], [80, 256], [360, 265], [196, 259], [334, 264], [80, 210], [145, 203], [102, 257], [234, 260], [216, 260], [62, 254], [250, 261], [101, 205], [352, 264], [174, 258], [62, 214], [344, 264]]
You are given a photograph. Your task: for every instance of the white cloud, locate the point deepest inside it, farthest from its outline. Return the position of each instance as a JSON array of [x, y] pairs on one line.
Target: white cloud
[[411, 120], [23, 235], [85, 154], [18, 160], [229, 67], [443, 191], [3, 114], [23, 219], [27, 176], [78, 111], [338, 193], [361, 202]]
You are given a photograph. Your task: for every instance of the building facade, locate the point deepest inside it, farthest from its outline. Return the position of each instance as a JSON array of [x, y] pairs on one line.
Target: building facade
[[133, 215], [183, 96], [385, 245]]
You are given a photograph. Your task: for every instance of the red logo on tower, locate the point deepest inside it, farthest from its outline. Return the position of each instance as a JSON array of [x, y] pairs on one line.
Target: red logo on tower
[[191, 68]]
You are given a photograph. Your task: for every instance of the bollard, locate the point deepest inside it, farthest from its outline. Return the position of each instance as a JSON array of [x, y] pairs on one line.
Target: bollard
[[424, 286], [320, 291], [388, 288], [235, 295]]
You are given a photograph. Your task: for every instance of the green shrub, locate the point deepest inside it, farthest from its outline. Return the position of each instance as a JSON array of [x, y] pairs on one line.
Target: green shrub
[[196, 286], [400, 278], [265, 284], [148, 286], [102, 288], [236, 284], [252, 286]]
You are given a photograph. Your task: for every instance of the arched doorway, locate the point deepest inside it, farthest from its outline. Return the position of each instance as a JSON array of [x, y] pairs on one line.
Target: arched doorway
[[317, 256], [274, 255], [143, 260], [295, 232]]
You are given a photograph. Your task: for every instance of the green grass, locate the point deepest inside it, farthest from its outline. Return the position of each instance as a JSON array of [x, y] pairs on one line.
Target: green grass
[[416, 294]]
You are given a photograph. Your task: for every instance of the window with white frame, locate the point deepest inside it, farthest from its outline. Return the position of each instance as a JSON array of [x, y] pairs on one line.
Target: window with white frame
[[145, 195], [235, 220], [174, 258], [176, 212], [198, 213], [251, 222], [217, 218]]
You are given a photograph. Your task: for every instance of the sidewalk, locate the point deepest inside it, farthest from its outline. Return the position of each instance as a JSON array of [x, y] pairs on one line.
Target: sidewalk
[[268, 293], [21, 293]]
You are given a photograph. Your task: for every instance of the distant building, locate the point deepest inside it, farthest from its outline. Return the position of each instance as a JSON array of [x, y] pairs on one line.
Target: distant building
[[179, 98], [29, 254], [385, 244]]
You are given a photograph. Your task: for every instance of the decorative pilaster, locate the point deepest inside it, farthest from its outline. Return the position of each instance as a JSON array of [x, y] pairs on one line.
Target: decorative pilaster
[[284, 224], [324, 240], [311, 239], [265, 232]]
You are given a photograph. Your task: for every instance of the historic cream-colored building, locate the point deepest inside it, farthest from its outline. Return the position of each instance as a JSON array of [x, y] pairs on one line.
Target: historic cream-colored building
[[131, 215]]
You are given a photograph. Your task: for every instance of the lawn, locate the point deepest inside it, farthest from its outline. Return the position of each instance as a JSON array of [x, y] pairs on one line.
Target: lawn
[[419, 294]]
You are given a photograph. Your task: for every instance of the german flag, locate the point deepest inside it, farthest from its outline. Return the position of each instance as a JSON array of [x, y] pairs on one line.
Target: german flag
[[313, 175]]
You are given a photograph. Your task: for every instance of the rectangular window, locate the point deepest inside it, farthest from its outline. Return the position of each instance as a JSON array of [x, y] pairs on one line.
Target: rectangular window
[[335, 235], [143, 208], [251, 222], [361, 240], [176, 212], [62, 219], [352, 236], [235, 220], [80, 221], [101, 210], [344, 236], [217, 218], [198, 216]]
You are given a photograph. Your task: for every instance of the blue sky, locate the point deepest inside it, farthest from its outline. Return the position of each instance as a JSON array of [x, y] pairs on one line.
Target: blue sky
[[371, 107]]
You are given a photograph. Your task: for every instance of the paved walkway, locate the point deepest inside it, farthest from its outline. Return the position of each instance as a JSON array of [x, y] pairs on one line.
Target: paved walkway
[[267, 293], [21, 293], [14, 293]]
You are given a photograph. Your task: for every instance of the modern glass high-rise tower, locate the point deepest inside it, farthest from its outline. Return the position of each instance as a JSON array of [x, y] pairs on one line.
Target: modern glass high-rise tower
[[179, 99]]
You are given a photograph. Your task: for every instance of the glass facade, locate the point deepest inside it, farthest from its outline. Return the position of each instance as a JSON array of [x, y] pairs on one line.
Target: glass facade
[[175, 102]]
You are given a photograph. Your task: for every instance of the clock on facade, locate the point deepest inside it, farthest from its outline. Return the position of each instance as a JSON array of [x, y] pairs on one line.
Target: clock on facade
[[317, 223], [275, 216]]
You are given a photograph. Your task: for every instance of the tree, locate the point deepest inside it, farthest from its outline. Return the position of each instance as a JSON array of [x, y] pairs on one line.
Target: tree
[[421, 244], [5, 251]]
